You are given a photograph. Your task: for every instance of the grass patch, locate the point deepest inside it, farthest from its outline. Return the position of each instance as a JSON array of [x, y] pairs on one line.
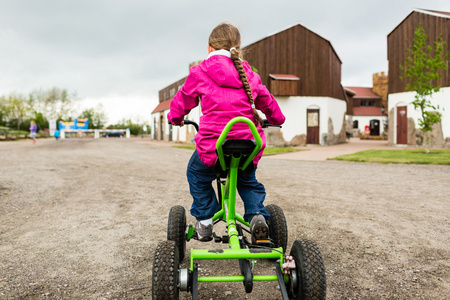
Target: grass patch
[[400, 156], [267, 150], [276, 150]]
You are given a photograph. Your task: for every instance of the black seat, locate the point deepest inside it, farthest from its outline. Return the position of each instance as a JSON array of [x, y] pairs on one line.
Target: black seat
[[243, 146], [236, 147]]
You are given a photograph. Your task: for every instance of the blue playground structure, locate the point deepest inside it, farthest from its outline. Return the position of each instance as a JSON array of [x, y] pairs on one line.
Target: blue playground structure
[[77, 124], [80, 127]]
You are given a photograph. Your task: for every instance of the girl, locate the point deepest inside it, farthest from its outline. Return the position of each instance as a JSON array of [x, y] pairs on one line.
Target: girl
[[226, 87], [33, 130]]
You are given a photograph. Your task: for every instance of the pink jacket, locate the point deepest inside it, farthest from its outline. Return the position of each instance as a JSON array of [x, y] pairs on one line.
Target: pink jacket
[[216, 83]]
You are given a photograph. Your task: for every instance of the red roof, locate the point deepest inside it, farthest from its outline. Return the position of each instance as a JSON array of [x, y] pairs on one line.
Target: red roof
[[284, 77], [362, 92], [367, 111], [162, 106]]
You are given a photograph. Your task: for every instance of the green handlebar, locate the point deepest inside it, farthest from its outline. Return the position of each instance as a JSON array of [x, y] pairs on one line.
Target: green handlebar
[[224, 134]]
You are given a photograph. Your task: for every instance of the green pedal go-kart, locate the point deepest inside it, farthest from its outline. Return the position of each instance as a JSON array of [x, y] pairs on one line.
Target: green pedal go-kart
[[300, 275]]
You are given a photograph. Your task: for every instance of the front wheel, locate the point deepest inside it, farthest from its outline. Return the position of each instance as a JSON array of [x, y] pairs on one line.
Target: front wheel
[[308, 280], [165, 271], [278, 231], [176, 228]]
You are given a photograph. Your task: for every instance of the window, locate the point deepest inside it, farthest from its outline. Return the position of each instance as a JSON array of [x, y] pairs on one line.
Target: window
[[368, 103], [172, 92], [355, 124]]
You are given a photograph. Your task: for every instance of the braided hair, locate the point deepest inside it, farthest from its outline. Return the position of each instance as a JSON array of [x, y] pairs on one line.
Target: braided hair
[[226, 36]]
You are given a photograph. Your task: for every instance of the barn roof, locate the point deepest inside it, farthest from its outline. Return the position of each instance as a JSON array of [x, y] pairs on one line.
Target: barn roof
[[162, 106], [362, 92], [440, 14], [292, 26]]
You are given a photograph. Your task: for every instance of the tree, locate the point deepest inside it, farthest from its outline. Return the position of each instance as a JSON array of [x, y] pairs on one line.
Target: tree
[[135, 128], [3, 112], [53, 103], [40, 120], [422, 68], [17, 110], [97, 117], [14, 110]]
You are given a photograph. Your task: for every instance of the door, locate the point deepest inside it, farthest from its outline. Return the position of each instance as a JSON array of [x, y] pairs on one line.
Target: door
[[312, 131], [155, 129], [170, 132], [161, 128], [374, 127], [402, 125]]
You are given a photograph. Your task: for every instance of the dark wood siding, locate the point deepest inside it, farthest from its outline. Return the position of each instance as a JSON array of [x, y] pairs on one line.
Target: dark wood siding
[[401, 38], [300, 52], [170, 91], [350, 104], [283, 87]]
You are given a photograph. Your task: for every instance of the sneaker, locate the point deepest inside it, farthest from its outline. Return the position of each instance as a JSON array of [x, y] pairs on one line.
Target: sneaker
[[204, 232], [259, 228]]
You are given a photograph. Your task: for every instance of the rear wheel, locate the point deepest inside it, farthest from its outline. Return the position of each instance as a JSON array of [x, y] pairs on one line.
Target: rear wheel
[[278, 231], [308, 280], [176, 228], [165, 271]]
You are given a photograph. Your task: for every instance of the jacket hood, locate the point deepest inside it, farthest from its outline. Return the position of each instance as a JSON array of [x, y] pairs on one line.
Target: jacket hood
[[221, 70]]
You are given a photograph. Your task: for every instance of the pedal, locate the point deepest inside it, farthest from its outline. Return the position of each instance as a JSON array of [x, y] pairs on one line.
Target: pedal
[[264, 243], [195, 237], [217, 239]]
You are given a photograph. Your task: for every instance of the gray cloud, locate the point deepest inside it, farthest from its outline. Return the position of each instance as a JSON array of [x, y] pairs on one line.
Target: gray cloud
[[100, 48]]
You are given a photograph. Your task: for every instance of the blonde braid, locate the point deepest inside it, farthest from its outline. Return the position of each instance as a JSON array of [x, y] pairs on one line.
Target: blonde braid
[[238, 65]]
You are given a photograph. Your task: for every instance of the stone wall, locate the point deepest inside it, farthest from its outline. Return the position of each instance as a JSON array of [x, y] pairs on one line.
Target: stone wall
[[274, 137], [298, 140], [415, 136], [391, 141], [333, 139], [436, 136]]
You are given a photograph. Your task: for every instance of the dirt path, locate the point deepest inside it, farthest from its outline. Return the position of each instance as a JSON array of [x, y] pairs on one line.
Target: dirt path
[[80, 219]]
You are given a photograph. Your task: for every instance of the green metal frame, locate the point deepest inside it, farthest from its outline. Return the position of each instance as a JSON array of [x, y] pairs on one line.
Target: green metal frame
[[228, 214]]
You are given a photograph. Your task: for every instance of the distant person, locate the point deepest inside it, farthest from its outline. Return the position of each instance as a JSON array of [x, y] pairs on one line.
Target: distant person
[[56, 134], [33, 130]]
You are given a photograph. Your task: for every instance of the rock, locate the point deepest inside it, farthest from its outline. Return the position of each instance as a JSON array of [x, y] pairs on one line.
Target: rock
[[298, 140], [274, 137]]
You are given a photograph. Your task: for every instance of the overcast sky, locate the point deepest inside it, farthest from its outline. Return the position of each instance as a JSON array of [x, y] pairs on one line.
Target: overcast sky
[[121, 53]]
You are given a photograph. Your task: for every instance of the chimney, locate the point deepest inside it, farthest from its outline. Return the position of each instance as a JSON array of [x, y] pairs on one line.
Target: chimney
[[195, 63], [380, 87]]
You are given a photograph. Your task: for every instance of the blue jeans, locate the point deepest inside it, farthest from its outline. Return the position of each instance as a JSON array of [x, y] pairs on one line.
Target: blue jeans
[[205, 204]]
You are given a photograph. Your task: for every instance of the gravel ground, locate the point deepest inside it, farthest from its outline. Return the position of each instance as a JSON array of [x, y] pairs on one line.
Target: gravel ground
[[80, 219]]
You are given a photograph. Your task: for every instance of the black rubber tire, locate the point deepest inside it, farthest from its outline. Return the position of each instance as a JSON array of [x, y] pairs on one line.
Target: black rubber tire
[[278, 231], [310, 270], [165, 271], [176, 228]]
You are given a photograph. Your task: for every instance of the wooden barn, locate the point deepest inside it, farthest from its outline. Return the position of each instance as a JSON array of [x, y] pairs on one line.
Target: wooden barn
[[303, 71], [403, 118]]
